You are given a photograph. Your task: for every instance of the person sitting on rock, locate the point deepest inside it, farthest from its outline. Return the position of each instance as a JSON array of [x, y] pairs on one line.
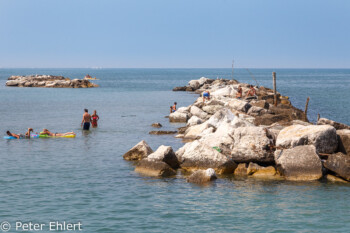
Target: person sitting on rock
[[206, 95], [171, 109], [251, 92], [239, 93], [47, 132]]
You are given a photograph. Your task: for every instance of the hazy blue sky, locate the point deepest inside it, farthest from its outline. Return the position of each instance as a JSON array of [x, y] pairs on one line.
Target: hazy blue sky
[[175, 33]]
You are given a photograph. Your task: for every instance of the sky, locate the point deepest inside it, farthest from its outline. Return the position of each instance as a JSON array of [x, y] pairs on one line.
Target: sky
[[174, 33]]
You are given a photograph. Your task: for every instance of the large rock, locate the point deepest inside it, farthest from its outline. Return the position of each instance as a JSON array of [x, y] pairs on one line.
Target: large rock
[[166, 155], [180, 117], [194, 120], [195, 111], [239, 105], [151, 167], [344, 141], [225, 91], [299, 163], [339, 164], [323, 137], [196, 131], [256, 171], [12, 83], [336, 125], [202, 176], [195, 155], [194, 84], [139, 151], [251, 144], [256, 111], [212, 109], [223, 115]]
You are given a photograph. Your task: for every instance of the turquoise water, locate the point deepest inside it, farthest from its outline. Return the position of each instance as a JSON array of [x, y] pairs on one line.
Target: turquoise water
[[86, 179]]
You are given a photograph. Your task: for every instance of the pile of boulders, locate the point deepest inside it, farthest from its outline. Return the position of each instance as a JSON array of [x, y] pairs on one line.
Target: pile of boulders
[[48, 81], [249, 137]]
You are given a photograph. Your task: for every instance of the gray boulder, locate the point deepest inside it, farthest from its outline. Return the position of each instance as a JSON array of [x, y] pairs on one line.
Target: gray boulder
[[344, 141], [340, 164], [251, 144], [180, 117], [166, 155], [139, 151], [323, 137], [195, 155], [299, 163]]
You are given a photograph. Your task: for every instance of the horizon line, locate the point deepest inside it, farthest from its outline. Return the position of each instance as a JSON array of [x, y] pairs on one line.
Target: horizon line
[[100, 68]]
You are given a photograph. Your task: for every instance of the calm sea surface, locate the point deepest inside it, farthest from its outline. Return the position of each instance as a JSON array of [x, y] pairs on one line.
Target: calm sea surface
[[86, 179]]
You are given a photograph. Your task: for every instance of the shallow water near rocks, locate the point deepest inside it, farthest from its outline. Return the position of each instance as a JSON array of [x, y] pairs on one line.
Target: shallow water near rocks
[[86, 179]]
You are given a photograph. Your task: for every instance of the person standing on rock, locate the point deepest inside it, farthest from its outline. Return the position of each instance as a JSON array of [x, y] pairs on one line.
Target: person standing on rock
[[85, 123]]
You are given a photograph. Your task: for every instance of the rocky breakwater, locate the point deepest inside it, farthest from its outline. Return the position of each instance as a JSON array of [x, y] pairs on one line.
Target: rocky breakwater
[[48, 81], [252, 137]]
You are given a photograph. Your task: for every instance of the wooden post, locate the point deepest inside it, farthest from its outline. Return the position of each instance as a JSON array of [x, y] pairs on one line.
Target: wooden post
[[318, 117], [274, 88], [306, 105]]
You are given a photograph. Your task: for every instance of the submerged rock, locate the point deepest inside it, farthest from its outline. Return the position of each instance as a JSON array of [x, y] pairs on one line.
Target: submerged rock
[[202, 176], [162, 132], [156, 125], [299, 163], [335, 179], [139, 151], [154, 168]]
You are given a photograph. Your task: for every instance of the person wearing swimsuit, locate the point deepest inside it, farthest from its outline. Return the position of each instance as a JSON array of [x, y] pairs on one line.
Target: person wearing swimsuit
[[95, 118], [85, 123], [47, 132]]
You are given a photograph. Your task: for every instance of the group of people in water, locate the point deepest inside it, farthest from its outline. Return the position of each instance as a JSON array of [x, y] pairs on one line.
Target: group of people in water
[[85, 124]]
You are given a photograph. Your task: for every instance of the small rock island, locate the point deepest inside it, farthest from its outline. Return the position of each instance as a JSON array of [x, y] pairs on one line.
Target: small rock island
[[48, 81]]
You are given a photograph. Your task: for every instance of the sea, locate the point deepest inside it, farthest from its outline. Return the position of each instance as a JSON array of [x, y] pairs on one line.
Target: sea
[[84, 180]]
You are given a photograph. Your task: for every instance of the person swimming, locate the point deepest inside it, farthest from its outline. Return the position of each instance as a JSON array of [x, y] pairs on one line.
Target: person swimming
[[18, 136], [94, 118], [47, 132]]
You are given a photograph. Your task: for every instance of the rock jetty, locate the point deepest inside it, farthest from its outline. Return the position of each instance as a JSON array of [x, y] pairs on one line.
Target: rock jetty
[[250, 137], [48, 81]]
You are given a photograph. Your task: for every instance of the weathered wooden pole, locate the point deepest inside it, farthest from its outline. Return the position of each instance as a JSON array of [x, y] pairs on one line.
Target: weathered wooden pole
[[306, 105], [318, 117], [274, 88]]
